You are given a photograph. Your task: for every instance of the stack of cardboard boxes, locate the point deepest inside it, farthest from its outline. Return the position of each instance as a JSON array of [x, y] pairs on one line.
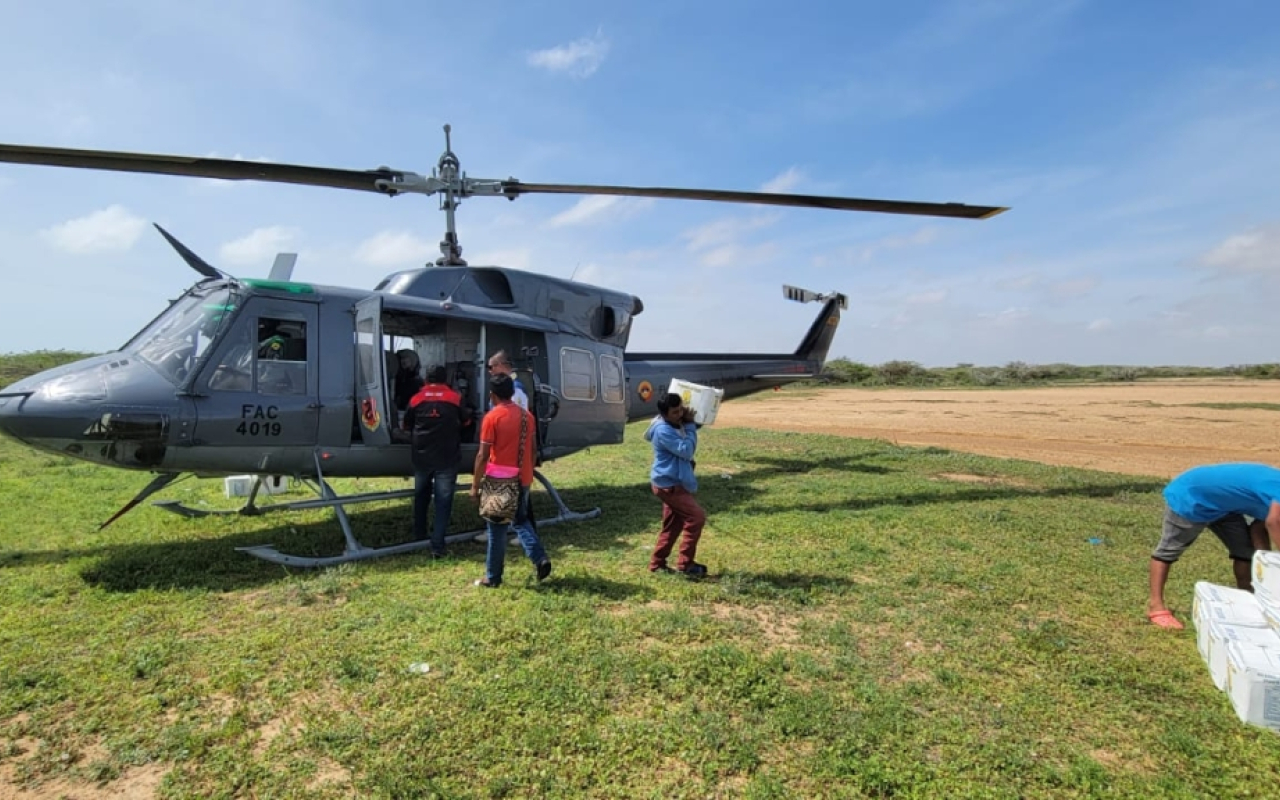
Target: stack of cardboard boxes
[[1238, 635]]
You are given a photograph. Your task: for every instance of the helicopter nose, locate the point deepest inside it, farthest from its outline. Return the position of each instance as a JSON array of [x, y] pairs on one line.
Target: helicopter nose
[[52, 408]]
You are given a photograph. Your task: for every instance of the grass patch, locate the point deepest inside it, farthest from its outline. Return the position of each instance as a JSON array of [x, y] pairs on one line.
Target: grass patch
[[882, 621]]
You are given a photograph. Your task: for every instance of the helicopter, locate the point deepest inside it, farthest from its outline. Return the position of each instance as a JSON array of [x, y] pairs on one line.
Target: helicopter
[[275, 376]]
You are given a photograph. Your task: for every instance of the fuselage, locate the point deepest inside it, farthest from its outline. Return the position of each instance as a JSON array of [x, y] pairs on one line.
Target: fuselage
[[271, 378]]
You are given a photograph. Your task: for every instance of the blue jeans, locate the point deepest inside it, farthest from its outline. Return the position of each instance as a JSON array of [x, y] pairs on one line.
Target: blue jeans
[[440, 486], [495, 558]]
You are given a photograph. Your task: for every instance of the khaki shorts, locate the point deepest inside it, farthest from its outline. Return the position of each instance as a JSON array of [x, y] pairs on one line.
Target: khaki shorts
[[1180, 533]]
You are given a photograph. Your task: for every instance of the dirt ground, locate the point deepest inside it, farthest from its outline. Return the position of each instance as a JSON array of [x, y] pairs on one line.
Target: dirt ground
[[1158, 428]]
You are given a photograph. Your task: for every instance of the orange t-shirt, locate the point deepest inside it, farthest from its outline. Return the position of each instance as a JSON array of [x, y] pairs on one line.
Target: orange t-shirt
[[501, 431]]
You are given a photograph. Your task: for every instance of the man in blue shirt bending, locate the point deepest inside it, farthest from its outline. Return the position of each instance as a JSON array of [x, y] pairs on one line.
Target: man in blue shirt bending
[[1217, 497]]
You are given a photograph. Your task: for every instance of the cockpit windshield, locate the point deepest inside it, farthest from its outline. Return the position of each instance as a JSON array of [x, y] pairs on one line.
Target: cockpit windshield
[[178, 338]]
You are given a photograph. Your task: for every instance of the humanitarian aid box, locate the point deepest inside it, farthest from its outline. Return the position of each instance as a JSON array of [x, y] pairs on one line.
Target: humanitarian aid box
[[704, 400], [1224, 605], [1253, 683], [1266, 572], [242, 485], [1221, 634]]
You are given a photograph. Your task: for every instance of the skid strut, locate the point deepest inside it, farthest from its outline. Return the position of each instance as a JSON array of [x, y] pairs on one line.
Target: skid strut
[[353, 550]]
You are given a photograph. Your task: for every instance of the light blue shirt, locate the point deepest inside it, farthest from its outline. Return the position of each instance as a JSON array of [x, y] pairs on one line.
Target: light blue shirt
[[673, 450], [1208, 493]]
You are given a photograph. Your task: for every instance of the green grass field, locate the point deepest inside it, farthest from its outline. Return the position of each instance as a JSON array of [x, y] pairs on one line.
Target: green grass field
[[881, 622]]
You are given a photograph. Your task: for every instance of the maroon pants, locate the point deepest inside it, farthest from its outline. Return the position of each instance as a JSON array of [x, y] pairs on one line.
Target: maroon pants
[[680, 512]]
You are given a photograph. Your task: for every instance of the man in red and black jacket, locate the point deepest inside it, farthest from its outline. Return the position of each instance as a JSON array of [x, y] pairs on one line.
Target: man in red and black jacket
[[435, 419]]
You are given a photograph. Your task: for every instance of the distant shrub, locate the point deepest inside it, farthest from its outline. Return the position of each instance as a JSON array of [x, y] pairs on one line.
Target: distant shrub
[[900, 373], [1126, 374], [842, 370], [911, 373], [16, 366]]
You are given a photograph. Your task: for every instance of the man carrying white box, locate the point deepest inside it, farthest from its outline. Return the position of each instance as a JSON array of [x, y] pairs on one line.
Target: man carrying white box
[[1217, 497]]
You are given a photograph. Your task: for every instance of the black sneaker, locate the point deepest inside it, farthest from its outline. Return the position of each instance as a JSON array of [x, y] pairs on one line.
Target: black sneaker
[[694, 570], [483, 583], [544, 569]]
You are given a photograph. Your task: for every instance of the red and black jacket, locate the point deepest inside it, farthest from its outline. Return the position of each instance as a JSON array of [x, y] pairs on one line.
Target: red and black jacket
[[435, 418]]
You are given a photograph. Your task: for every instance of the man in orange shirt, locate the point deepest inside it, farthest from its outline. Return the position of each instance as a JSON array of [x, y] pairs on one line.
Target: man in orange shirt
[[501, 437]]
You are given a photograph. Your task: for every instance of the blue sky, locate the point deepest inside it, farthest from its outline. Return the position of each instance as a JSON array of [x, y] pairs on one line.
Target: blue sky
[[1138, 144]]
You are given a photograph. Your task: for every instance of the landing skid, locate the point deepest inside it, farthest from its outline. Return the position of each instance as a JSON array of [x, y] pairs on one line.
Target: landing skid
[[354, 550]]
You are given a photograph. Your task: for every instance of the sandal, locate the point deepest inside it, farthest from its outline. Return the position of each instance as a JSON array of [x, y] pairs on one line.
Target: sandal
[[1165, 619]]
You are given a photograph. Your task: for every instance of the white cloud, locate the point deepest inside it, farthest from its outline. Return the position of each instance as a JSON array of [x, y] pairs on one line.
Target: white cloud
[[927, 298], [726, 231], [1099, 325], [259, 247], [599, 207], [738, 255], [395, 249], [579, 58], [114, 228], [1257, 250], [583, 210], [866, 253], [1008, 318], [785, 182]]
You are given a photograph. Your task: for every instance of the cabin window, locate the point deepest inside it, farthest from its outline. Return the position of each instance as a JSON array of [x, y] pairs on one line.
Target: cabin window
[[577, 374], [611, 381]]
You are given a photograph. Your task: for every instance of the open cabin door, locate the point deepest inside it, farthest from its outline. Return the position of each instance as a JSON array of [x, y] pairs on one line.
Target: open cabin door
[[373, 413]]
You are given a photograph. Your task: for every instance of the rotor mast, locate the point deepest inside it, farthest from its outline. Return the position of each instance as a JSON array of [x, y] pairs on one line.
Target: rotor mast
[[449, 174]]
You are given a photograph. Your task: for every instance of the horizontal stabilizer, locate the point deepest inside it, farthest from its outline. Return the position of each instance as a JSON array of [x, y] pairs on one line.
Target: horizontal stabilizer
[[805, 296]]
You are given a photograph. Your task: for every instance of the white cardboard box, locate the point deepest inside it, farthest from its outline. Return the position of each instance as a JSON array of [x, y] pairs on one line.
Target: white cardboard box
[[1205, 591], [1253, 683], [242, 485], [704, 400], [1220, 635], [1270, 606], [1266, 572], [1225, 606]]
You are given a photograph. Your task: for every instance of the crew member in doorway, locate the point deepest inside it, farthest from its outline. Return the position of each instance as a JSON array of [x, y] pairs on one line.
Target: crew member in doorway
[[407, 381], [500, 364]]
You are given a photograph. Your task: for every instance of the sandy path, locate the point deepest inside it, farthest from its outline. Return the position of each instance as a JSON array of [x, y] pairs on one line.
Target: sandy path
[[1156, 428]]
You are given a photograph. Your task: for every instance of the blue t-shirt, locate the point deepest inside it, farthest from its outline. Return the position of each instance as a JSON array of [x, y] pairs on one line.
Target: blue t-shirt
[[1205, 494]]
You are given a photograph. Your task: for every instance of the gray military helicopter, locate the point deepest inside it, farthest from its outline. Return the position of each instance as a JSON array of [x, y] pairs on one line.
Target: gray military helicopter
[[279, 377]]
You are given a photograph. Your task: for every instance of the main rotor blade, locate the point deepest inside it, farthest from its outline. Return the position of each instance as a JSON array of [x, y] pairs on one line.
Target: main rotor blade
[[226, 169], [513, 188]]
